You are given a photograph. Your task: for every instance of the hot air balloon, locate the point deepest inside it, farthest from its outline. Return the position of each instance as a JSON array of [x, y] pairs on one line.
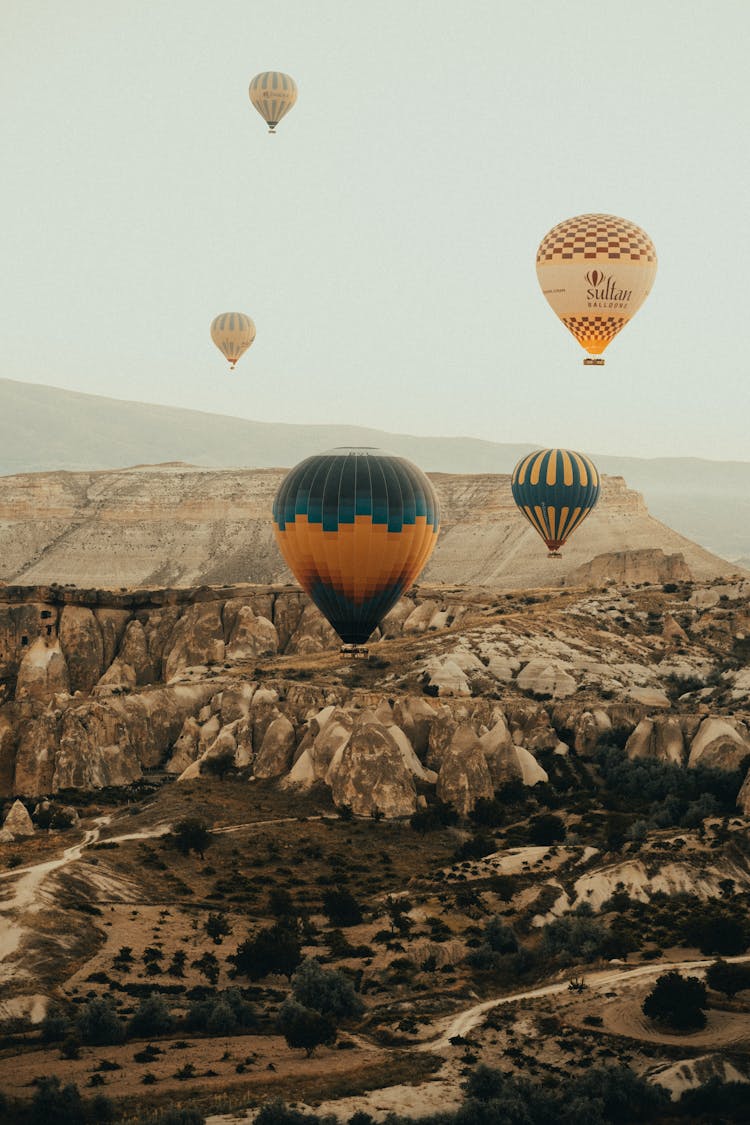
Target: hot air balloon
[[356, 527], [273, 94], [596, 271], [555, 489], [233, 333]]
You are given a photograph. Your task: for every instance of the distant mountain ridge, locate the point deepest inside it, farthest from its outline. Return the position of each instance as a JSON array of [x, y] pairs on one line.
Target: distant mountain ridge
[[45, 429]]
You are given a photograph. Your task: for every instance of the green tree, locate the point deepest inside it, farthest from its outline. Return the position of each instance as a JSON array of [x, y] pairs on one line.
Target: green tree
[[325, 990], [217, 927], [151, 1018], [677, 1001], [727, 978], [192, 835], [341, 907], [275, 949], [53, 1102], [208, 966], [304, 1027], [98, 1023]]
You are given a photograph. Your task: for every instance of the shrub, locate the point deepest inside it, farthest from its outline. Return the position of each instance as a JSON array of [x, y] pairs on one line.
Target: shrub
[[325, 990], [727, 978], [152, 1018], [304, 1027], [677, 1001], [341, 908], [191, 835], [275, 949], [98, 1024]]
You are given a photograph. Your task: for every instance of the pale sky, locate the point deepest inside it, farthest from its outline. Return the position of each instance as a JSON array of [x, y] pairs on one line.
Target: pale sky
[[384, 240]]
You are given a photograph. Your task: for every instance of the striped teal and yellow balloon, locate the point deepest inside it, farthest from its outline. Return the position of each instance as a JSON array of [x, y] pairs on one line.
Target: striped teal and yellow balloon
[[555, 489], [356, 527], [233, 333], [273, 94]]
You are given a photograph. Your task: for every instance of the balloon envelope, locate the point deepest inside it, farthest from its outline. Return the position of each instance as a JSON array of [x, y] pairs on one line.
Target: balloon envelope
[[555, 489], [233, 333], [273, 94], [596, 271], [356, 527]]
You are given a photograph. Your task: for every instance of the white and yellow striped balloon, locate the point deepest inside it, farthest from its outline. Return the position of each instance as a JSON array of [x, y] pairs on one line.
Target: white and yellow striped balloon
[[233, 333], [273, 94]]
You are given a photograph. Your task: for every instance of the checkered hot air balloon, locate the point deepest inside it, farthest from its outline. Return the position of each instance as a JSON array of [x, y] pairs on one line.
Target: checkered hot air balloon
[[596, 271], [273, 94], [555, 489], [233, 333], [356, 527]]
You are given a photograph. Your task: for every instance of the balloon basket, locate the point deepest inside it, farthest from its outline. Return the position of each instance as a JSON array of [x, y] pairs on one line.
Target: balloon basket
[[593, 361], [359, 652], [554, 555]]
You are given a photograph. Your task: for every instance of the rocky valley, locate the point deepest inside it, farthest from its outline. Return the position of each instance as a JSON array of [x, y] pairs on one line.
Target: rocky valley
[[500, 828]]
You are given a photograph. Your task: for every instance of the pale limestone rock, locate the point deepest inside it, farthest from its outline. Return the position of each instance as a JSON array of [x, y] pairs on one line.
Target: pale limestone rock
[[415, 716], [8, 744], [649, 696], [464, 776], [286, 615], [531, 771], [275, 755], [18, 822], [185, 749], [372, 776], [408, 756], [500, 753], [530, 727], [209, 732], [420, 618], [35, 755], [647, 564], [302, 772], [447, 676], [503, 668], [331, 739], [313, 633], [252, 637], [672, 631], [660, 738], [441, 734], [134, 652], [542, 678], [704, 599], [589, 728], [197, 639], [393, 623], [112, 623], [720, 743], [118, 675], [95, 750], [743, 797], [235, 701], [43, 671], [82, 646]]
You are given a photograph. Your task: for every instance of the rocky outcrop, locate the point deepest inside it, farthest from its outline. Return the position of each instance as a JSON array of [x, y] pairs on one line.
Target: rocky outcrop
[[464, 776], [546, 680], [197, 639], [631, 567], [371, 776], [18, 823], [251, 636], [720, 743], [660, 738], [43, 671], [82, 646], [275, 754]]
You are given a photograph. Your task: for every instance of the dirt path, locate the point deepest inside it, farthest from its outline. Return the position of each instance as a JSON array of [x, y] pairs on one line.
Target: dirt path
[[466, 1021]]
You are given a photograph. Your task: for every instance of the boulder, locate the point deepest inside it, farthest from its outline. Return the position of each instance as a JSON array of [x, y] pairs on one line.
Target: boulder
[[197, 638], [500, 753], [82, 646], [415, 716], [135, 653], [672, 631], [313, 633], [464, 775], [660, 738], [546, 679], [447, 677], [331, 739], [43, 671], [275, 755], [372, 777], [119, 675], [235, 701], [720, 743], [531, 771], [18, 823], [185, 749], [590, 727], [649, 696], [251, 636]]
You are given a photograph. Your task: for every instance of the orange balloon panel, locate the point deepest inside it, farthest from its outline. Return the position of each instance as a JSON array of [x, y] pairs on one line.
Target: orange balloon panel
[[356, 527], [596, 271]]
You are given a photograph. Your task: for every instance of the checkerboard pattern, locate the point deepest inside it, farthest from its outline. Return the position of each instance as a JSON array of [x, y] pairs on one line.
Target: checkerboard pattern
[[596, 238], [598, 329]]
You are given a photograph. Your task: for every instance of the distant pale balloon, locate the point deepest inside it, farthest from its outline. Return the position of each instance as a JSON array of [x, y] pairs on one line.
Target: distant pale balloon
[[555, 489], [233, 333], [596, 271], [273, 94]]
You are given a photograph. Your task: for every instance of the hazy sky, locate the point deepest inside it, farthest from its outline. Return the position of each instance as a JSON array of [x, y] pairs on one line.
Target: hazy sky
[[384, 240]]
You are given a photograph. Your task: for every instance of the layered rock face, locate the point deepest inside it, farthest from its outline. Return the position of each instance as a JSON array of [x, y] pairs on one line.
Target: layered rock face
[[466, 690], [182, 526]]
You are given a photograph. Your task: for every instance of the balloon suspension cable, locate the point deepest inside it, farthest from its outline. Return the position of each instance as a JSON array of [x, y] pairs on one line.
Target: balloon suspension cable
[[593, 361]]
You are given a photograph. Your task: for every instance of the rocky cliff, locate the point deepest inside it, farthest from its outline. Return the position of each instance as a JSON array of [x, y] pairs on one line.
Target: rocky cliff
[[465, 689], [173, 525]]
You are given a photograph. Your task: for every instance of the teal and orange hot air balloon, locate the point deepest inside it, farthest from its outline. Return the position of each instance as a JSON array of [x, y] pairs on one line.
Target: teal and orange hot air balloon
[[555, 489], [356, 527]]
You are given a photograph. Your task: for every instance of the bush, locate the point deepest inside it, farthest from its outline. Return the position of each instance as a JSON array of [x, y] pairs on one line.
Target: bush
[[546, 829], [326, 991], [151, 1019], [275, 949], [99, 1025], [191, 835], [55, 1026], [304, 1027], [727, 978], [342, 908], [52, 1102], [677, 1001]]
